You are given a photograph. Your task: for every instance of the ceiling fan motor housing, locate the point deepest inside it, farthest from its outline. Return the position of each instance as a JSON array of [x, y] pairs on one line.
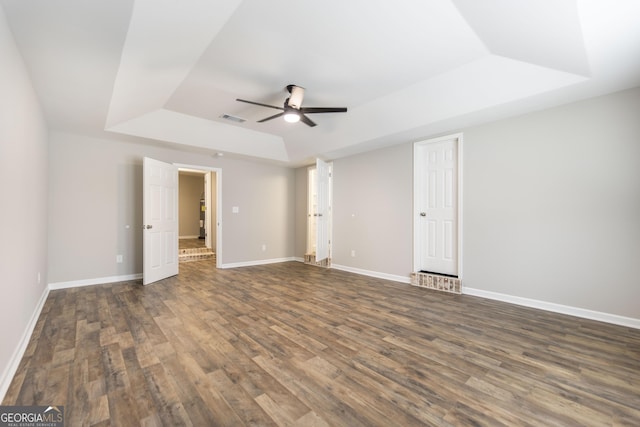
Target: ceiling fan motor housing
[[297, 94]]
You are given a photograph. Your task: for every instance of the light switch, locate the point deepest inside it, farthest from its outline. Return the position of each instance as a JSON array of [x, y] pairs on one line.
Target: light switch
[[235, 209]]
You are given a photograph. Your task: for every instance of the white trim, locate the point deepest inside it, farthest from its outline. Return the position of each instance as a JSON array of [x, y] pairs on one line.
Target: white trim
[[460, 201], [556, 308], [459, 142], [209, 205], [96, 281], [257, 262], [16, 357], [370, 273]]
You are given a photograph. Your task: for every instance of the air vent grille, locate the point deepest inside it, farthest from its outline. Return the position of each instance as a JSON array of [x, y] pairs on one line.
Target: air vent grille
[[233, 118]]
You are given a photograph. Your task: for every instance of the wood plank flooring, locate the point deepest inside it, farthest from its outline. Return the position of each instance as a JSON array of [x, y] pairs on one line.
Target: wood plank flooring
[[191, 243], [296, 345]]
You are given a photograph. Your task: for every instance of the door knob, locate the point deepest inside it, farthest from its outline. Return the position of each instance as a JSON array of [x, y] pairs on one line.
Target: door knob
[[423, 214], [147, 226]]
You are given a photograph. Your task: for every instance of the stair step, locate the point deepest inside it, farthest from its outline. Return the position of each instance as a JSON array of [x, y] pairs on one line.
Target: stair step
[[195, 251], [195, 254]]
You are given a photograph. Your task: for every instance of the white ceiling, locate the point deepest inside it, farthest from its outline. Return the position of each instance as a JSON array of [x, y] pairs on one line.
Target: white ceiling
[[408, 69]]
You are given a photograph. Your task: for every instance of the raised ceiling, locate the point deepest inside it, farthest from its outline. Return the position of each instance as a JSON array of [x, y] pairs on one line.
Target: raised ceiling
[[168, 70]]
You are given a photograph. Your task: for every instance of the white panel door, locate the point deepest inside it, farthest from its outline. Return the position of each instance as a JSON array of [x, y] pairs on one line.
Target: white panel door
[[437, 206], [312, 209], [160, 220], [322, 214]]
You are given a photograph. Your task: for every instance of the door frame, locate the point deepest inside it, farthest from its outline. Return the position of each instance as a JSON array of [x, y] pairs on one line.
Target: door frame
[[417, 188], [218, 219], [208, 204]]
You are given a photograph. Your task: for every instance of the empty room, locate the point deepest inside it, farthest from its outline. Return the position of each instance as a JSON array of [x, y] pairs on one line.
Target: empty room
[[320, 213]]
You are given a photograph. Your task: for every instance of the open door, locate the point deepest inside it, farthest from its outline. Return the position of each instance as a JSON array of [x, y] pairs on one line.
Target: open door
[[160, 220], [322, 214]]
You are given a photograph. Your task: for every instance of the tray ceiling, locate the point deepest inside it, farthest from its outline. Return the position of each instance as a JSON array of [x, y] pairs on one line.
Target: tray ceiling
[[409, 69]]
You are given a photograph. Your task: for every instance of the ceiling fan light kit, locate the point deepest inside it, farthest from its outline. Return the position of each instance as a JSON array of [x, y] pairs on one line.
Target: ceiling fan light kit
[[293, 111], [291, 117]]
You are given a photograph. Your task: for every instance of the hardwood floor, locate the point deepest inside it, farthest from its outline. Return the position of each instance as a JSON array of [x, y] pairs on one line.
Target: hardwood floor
[[191, 243], [296, 345]]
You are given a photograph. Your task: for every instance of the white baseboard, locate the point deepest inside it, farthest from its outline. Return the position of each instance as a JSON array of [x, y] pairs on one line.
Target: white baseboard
[[527, 302], [557, 308], [370, 273], [97, 281], [257, 262], [14, 362]]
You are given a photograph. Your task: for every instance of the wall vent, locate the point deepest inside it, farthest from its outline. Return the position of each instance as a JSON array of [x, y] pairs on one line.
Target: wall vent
[[233, 118]]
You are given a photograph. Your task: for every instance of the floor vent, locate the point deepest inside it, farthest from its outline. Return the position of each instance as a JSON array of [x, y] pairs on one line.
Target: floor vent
[[436, 282], [311, 259]]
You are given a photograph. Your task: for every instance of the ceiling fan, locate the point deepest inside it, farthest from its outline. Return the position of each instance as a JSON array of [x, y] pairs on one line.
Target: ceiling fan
[[293, 111]]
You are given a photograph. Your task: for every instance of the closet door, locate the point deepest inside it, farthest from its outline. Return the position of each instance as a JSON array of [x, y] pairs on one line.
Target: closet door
[[436, 204]]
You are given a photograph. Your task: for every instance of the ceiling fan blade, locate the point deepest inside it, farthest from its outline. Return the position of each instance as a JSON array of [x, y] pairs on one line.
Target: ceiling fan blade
[[311, 110], [260, 104], [272, 117], [306, 120]]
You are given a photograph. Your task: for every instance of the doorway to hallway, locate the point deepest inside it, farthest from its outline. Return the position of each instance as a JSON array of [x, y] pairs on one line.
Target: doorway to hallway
[[198, 207]]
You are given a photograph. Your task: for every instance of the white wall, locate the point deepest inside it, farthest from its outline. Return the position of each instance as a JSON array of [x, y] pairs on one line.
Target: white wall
[[265, 197], [23, 215], [551, 207], [372, 205], [96, 192]]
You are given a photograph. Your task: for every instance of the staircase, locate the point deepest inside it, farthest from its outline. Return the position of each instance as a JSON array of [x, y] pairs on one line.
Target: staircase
[[196, 254]]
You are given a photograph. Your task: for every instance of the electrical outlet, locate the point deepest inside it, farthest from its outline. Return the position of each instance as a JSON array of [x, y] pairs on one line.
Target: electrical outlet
[[264, 247], [353, 253], [119, 259]]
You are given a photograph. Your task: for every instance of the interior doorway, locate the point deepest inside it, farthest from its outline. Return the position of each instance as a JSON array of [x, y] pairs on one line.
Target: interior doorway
[[199, 207]]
